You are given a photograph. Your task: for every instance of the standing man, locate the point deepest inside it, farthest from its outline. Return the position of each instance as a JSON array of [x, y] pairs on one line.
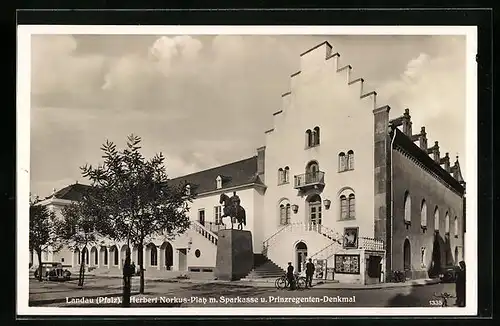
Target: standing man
[[309, 273], [460, 285], [289, 276]]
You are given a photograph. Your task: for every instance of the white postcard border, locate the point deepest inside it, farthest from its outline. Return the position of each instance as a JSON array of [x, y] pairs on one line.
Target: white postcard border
[[23, 164]]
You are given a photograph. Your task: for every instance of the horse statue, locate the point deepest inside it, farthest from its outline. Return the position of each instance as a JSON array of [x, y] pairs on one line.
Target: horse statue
[[233, 210]]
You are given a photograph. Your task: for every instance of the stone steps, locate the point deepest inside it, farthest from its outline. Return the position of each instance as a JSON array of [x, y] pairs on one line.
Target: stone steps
[[264, 268]]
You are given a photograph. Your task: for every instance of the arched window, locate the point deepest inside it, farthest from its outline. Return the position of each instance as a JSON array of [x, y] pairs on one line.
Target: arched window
[[407, 208], [105, 256], [153, 255], [343, 207], [407, 255], [455, 226], [350, 160], [285, 209], [280, 176], [436, 219], [312, 170], [342, 162], [218, 181], [309, 138], [316, 136], [423, 215], [347, 204], [86, 254], [286, 175], [115, 256], [447, 223]]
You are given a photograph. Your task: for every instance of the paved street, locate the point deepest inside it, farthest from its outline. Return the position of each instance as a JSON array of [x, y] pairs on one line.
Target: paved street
[[105, 292]]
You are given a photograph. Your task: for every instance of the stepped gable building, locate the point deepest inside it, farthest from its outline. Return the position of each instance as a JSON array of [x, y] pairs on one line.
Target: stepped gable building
[[337, 181]]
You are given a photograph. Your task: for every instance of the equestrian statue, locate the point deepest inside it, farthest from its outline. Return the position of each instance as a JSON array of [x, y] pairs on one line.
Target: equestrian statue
[[233, 210]]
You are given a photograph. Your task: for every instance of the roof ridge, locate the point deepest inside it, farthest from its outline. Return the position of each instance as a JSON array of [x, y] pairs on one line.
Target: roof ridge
[[213, 168]]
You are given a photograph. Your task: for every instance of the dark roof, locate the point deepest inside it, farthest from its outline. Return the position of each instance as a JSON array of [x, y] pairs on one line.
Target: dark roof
[[407, 144], [233, 174], [71, 192]]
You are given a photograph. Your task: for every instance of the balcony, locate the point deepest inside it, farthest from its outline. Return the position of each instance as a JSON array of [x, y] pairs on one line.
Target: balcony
[[309, 180]]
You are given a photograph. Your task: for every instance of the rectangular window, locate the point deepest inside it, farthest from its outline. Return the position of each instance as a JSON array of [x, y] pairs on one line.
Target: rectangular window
[[201, 216], [217, 215], [343, 208], [342, 163], [352, 211], [284, 214]]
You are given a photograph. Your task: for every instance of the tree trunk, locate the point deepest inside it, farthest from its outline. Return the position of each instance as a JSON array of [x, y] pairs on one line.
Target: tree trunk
[[81, 277], [40, 267], [141, 267]]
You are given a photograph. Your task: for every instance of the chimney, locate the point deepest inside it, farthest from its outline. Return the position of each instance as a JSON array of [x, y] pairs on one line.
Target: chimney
[[423, 138], [261, 160], [446, 162], [435, 151], [407, 123]]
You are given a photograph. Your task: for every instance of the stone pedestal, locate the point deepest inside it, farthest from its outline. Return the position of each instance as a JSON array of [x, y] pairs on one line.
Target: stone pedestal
[[234, 254]]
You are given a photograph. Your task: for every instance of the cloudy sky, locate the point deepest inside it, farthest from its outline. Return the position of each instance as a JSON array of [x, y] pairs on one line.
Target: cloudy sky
[[177, 91]]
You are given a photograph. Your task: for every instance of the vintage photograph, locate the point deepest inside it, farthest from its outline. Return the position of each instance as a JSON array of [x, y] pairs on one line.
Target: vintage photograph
[[246, 169]]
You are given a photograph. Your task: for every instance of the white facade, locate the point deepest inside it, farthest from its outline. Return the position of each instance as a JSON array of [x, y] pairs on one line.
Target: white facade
[[321, 97]]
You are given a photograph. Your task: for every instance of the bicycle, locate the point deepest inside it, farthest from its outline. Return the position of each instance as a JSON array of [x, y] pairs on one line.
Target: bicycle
[[444, 298], [282, 282]]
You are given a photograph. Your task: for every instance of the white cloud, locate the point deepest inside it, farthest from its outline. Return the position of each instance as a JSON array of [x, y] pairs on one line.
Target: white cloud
[[56, 69], [167, 49], [433, 88]]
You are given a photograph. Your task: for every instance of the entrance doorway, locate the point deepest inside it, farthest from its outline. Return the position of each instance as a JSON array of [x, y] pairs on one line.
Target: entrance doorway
[[167, 259], [182, 260], [301, 256], [407, 256], [315, 210], [436, 258]]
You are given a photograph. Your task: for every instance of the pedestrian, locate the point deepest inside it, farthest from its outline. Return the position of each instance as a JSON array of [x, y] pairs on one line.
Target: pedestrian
[[460, 285], [309, 273], [133, 268], [289, 276]]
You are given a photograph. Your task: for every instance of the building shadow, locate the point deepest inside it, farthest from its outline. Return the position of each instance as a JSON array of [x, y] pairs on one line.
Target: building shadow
[[411, 299], [442, 255]]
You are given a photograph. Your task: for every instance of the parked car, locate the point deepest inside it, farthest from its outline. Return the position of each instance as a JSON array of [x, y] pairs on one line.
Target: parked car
[[448, 274], [54, 272]]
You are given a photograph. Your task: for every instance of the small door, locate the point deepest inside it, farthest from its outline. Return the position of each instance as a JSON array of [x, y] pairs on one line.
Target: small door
[[182, 260]]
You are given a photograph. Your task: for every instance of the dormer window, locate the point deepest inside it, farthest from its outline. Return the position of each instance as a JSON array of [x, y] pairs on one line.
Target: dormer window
[[188, 190], [219, 182]]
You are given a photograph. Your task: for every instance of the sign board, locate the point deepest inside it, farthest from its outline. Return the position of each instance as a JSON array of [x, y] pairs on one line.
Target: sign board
[[320, 268], [347, 264]]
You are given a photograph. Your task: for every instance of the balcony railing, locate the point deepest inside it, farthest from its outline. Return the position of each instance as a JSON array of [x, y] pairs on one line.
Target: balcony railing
[[309, 179]]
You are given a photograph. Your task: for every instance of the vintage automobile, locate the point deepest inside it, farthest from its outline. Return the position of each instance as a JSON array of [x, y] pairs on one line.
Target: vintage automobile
[[54, 272], [448, 274]]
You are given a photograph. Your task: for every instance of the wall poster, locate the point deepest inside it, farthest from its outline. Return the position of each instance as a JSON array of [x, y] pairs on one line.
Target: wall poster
[[347, 264]]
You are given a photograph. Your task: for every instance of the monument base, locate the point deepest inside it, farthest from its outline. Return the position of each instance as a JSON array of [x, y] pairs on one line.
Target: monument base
[[234, 254]]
